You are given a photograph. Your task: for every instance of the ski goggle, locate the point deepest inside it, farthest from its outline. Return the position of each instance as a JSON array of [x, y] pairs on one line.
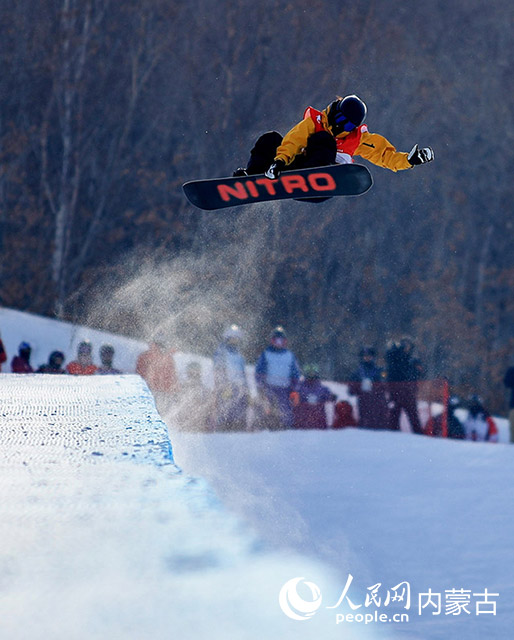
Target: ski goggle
[[343, 123]]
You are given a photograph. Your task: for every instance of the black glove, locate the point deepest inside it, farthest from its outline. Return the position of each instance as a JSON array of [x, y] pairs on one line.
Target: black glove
[[420, 156], [275, 169]]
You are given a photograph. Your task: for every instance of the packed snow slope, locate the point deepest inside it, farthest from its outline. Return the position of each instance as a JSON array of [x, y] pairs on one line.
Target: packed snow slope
[[102, 537], [383, 507]]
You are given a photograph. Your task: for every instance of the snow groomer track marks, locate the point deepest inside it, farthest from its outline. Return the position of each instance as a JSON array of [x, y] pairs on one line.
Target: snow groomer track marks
[[101, 534], [64, 418]]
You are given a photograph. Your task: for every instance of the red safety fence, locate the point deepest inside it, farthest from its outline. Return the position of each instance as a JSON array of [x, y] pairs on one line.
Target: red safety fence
[[420, 406]]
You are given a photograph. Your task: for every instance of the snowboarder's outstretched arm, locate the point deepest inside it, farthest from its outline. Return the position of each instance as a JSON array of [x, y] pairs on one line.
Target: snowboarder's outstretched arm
[[378, 150]]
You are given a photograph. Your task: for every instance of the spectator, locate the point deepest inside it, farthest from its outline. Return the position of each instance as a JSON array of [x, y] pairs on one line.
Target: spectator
[[367, 383], [230, 383], [343, 415], [508, 381], [83, 365], [403, 371], [479, 425], [106, 358], [157, 367], [3, 354], [309, 401], [194, 407], [277, 374], [455, 428], [21, 362], [54, 364]]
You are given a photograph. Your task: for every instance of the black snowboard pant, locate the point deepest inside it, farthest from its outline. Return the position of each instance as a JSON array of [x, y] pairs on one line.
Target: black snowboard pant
[[320, 151], [403, 396]]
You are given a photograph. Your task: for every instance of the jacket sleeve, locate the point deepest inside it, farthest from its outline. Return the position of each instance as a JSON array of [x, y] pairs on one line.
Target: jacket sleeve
[[3, 355], [378, 150], [295, 141]]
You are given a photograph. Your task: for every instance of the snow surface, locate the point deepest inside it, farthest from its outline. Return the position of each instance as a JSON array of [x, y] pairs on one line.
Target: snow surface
[[384, 507], [103, 537]]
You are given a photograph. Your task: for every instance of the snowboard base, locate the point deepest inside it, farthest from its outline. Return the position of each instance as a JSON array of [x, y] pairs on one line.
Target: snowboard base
[[308, 184]]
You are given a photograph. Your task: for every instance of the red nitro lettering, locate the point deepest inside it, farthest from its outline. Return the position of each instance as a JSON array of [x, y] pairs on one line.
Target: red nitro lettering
[[269, 184], [252, 189], [290, 183], [322, 181], [237, 191]]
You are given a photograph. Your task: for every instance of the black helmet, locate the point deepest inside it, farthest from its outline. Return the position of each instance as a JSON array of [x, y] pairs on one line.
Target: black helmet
[[346, 114], [107, 349]]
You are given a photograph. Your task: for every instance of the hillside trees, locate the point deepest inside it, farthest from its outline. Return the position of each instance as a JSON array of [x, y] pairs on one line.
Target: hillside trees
[[106, 108]]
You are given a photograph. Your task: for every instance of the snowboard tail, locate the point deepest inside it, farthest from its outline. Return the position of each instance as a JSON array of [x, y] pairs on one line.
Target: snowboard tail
[[309, 184]]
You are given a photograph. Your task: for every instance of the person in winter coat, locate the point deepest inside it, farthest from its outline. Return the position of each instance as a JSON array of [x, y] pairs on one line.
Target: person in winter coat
[[21, 362], [277, 374], [194, 412], [334, 135], [3, 354], [230, 383], [54, 364], [157, 367], [83, 365], [343, 415], [309, 401], [508, 381], [479, 426], [403, 372], [454, 426], [368, 384], [107, 358]]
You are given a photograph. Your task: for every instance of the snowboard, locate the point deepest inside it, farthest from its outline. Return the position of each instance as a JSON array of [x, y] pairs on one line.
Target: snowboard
[[312, 185]]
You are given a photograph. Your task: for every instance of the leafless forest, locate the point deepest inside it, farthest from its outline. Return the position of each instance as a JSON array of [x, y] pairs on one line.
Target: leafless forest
[[107, 107]]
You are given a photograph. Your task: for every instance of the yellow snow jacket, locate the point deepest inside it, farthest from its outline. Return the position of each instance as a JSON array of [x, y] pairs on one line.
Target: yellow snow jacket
[[360, 142]]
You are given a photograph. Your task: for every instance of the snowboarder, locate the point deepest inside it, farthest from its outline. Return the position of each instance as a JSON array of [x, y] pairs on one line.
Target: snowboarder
[[508, 381], [106, 358], [230, 384], [331, 136], [54, 364], [21, 362], [455, 428], [403, 372], [309, 400], [195, 406], [479, 425], [277, 374], [343, 415], [83, 365]]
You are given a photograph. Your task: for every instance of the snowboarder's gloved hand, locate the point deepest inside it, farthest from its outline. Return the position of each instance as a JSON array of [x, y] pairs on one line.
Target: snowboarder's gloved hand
[[275, 169], [420, 156]]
